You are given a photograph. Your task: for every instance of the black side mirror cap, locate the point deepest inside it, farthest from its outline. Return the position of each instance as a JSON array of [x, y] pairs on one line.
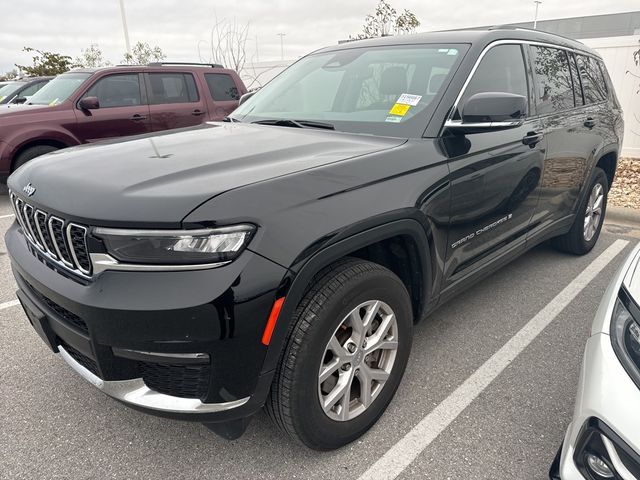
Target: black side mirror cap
[[494, 107]]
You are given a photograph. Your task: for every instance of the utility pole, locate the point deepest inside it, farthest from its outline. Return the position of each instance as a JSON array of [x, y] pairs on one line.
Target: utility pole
[[281, 35], [124, 27], [535, 18]]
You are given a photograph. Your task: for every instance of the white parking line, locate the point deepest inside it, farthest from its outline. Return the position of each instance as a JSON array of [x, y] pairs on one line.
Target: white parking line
[[12, 303], [403, 453], [7, 216]]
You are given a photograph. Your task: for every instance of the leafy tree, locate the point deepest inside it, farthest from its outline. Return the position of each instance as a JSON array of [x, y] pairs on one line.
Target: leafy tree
[[46, 63], [386, 21], [91, 57], [143, 53]]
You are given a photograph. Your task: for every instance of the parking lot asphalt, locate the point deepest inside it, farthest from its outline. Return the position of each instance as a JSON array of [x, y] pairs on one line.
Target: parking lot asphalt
[[55, 425]]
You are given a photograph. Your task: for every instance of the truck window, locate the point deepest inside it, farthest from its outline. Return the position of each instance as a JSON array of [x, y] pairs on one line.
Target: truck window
[[120, 90], [554, 86], [222, 87], [172, 88]]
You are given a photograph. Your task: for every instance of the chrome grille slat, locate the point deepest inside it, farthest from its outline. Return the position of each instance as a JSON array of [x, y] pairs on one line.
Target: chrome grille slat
[[56, 229], [77, 242], [31, 225], [61, 242], [41, 225]]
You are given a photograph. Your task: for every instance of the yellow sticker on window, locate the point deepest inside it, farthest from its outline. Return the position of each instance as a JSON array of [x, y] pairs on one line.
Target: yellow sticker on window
[[399, 109]]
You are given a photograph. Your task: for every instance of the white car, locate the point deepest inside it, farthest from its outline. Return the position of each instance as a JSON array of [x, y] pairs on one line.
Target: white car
[[603, 440]]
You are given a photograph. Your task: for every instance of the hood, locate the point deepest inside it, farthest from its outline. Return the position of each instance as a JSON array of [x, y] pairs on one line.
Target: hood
[[159, 179], [12, 108]]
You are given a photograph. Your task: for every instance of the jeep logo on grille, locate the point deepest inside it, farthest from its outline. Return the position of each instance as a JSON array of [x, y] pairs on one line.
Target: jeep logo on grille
[[29, 189]]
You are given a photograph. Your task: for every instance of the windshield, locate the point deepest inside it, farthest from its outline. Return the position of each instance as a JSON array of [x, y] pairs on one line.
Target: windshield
[[388, 90], [58, 89], [9, 89]]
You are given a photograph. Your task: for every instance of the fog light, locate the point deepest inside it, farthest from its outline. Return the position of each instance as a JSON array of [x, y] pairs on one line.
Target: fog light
[[598, 466]]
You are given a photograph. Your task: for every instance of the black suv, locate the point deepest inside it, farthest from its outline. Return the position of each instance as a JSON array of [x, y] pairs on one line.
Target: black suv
[[282, 257]]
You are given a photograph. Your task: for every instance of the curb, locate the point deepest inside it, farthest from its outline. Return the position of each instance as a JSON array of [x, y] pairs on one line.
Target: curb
[[622, 214]]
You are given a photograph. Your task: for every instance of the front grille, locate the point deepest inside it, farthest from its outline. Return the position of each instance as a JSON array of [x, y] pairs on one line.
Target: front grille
[[63, 242], [81, 358], [178, 380]]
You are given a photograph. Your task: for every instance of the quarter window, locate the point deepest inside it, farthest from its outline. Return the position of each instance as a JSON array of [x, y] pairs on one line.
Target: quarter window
[[122, 90], [554, 87], [172, 88], [222, 87], [593, 82], [500, 70]]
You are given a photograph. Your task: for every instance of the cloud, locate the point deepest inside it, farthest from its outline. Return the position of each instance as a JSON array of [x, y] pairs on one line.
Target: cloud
[[180, 26]]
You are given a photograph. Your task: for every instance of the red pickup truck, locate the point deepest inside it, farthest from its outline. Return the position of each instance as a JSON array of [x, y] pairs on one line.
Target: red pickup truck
[[89, 105]]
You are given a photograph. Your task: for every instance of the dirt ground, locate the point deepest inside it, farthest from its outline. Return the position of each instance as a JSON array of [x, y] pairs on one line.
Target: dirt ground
[[626, 185]]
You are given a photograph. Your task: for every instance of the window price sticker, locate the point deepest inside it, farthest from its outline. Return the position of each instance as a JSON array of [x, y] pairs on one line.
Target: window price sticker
[[408, 99]]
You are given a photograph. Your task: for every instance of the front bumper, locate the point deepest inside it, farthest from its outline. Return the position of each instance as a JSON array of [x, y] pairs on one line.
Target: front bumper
[[606, 404], [183, 345]]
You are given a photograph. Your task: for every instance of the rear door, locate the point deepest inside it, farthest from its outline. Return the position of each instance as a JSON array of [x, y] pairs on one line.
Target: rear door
[[494, 174], [570, 142], [174, 101], [123, 110], [224, 93]]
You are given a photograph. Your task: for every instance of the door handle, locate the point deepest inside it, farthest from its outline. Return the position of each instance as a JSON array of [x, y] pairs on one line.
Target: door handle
[[197, 112], [531, 138], [137, 117], [589, 123]]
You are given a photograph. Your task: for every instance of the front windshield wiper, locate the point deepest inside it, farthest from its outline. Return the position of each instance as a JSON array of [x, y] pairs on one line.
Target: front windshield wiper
[[231, 120], [285, 122]]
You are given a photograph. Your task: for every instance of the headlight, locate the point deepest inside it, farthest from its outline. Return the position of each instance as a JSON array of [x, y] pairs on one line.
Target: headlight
[[175, 247], [625, 334]]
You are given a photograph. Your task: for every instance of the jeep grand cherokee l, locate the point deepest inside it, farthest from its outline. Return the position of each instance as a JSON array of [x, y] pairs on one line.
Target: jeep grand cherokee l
[[88, 105], [281, 258]]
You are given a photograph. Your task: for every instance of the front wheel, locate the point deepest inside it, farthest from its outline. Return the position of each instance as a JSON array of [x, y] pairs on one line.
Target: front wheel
[[345, 356], [589, 218]]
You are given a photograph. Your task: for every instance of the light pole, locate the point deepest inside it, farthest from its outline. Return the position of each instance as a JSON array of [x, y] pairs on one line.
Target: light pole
[[535, 18], [281, 35], [124, 27]]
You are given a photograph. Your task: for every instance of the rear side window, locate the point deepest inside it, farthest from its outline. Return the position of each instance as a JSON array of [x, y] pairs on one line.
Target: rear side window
[[172, 88], [222, 87], [554, 87], [575, 76], [121, 90], [593, 83], [500, 70]]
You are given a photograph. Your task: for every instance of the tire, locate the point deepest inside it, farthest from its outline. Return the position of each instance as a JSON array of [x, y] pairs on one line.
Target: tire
[[294, 402], [31, 153], [580, 240]]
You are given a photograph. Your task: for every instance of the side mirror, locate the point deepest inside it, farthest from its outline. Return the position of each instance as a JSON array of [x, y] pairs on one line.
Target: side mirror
[[247, 96], [19, 100], [89, 103], [491, 111]]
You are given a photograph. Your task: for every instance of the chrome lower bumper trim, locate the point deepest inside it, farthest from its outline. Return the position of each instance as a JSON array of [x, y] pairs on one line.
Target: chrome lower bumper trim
[[135, 392]]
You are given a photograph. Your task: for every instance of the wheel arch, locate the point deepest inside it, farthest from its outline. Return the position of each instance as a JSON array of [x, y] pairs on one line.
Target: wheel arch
[[406, 236], [35, 143]]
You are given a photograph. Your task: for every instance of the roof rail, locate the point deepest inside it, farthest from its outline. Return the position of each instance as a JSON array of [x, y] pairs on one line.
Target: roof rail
[[518, 27], [162, 64]]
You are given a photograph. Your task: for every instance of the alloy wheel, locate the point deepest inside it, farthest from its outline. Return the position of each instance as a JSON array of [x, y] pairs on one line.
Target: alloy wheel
[[593, 214], [358, 360]]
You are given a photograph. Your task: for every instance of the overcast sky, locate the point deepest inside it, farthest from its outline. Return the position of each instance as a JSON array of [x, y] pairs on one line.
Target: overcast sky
[[179, 26]]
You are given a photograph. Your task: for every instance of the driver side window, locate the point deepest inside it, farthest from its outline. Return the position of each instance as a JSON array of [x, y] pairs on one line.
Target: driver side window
[[500, 70]]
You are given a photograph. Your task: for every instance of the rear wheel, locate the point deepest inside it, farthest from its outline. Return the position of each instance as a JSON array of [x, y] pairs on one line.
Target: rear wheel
[[345, 356], [586, 227], [31, 153]]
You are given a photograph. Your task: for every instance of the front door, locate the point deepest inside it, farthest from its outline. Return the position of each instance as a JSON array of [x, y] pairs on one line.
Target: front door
[[494, 174], [122, 109]]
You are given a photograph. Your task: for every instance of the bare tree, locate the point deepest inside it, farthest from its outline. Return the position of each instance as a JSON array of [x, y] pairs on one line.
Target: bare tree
[[228, 43], [385, 21]]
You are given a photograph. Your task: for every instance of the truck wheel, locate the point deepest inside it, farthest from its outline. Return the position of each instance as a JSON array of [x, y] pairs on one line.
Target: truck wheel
[[586, 227], [348, 346], [30, 153]]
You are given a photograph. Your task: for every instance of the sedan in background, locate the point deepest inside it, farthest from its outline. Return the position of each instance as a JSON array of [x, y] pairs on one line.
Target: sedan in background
[[603, 440], [19, 91]]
